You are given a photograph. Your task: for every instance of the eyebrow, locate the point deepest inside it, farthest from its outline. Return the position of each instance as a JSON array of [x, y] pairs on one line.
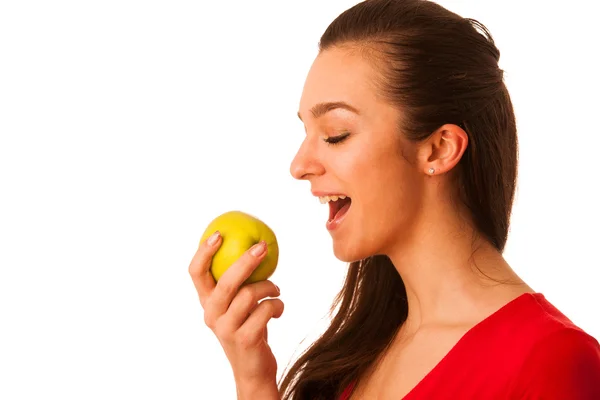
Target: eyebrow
[[320, 109]]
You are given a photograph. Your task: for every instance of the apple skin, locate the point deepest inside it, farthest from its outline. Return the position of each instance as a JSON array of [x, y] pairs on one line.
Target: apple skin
[[239, 232]]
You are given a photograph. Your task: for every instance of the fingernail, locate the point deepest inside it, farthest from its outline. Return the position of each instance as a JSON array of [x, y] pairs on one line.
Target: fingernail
[[278, 290], [212, 240], [258, 249]]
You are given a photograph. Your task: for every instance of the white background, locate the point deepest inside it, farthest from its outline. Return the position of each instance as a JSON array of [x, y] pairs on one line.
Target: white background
[[126, 126]]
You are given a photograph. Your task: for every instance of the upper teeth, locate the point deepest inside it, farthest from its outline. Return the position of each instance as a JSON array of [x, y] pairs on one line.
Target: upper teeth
[[327, 199]]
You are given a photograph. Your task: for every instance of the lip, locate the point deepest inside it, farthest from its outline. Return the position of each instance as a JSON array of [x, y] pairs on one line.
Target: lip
[[318, 193]]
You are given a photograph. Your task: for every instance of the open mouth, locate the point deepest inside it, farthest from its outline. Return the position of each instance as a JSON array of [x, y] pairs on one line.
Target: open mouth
[[338, 208], [339, 204]]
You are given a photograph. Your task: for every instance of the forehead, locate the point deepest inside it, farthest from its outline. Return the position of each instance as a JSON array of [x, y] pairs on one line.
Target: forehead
[[338, 74]]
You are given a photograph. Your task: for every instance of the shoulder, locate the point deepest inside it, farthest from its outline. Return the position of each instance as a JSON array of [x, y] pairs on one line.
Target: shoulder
[[562, 362]]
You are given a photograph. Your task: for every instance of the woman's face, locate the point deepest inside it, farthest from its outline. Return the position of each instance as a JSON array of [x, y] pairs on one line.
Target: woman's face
[[339, 103]]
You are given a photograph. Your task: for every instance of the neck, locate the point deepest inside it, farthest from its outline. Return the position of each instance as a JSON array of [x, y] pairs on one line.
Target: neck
[[451, 275]]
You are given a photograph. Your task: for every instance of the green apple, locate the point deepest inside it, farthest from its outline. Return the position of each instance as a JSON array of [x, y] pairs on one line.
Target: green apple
[[240, 231]]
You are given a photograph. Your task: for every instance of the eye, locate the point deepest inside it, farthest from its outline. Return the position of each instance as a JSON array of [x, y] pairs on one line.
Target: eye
[[336, 139]]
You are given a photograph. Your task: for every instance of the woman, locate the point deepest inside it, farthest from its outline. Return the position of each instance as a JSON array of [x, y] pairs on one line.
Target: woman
[[411, 139]]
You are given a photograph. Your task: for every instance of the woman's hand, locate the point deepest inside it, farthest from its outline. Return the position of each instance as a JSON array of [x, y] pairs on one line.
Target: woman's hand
[[238, 317]]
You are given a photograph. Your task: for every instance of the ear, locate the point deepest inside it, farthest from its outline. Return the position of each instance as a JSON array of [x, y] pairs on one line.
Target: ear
[[442, 150]]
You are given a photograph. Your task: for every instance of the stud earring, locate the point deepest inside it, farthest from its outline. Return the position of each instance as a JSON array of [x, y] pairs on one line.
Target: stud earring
[[431, 171]]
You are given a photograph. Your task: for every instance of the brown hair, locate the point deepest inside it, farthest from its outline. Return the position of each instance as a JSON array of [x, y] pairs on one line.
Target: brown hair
[[438, 68]]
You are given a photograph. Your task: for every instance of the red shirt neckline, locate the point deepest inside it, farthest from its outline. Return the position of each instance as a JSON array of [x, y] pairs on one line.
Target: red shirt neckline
[[461, 343]]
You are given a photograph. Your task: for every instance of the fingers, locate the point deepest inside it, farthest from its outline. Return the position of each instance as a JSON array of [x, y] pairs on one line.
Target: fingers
[[234, 277], [199, 268], [252, 331], [246, 301]]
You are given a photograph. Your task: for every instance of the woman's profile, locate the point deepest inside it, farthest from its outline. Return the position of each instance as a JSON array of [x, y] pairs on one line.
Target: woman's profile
[[411, 139]]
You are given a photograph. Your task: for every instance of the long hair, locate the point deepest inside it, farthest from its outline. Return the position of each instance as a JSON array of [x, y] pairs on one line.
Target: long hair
[[438, 68]]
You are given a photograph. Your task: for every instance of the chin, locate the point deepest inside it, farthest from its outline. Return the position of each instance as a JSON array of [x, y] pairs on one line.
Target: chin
[[348, 253]]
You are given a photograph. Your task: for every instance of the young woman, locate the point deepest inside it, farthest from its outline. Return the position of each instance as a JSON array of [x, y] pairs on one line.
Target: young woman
[[411, 139]]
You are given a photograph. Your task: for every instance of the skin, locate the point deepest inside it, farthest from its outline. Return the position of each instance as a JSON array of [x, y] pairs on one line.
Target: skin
[[401, 210], [238, 317]]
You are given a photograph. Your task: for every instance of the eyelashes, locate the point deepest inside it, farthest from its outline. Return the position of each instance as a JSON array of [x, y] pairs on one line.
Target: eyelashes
[[337, 139]]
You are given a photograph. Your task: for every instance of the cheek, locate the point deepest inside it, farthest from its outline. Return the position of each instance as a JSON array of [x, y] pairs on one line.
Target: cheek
[[391, 205], [387, 196], [390, 185]]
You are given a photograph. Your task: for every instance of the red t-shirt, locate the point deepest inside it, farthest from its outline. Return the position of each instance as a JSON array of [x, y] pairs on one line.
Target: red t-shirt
[[526, 350]]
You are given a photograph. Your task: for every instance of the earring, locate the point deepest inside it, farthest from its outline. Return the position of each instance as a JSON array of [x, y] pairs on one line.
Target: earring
[[431, 171]]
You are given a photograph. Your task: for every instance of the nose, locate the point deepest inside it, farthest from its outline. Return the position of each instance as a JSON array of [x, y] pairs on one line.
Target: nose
[[306, 163]]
